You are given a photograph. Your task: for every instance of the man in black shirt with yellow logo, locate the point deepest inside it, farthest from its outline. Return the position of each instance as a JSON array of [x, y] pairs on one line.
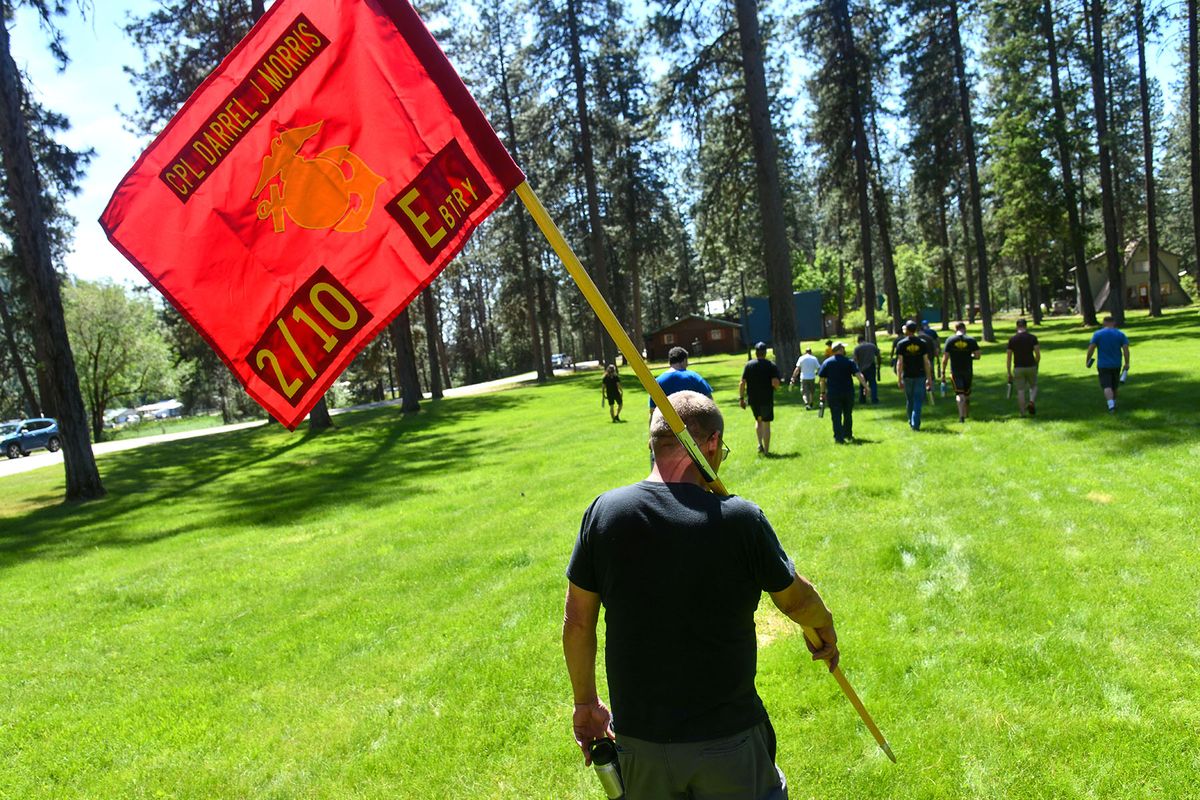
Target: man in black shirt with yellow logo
[[961, 352], [914, 372], [680, 571]]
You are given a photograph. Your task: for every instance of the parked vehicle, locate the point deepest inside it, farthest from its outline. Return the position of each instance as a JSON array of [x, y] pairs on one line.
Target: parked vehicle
[[561, 361], [29, 435]]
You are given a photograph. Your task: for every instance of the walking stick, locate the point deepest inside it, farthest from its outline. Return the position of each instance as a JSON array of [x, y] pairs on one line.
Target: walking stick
[[633, 357]]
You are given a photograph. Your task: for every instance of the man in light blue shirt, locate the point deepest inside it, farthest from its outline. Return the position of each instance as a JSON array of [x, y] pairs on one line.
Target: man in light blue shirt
[[1110, 344]]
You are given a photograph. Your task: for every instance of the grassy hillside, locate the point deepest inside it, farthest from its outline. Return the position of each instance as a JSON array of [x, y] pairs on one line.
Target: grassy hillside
[[374, 612]]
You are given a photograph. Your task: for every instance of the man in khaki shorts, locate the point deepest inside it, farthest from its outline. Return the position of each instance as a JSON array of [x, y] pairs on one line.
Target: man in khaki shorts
[[1024, 355]]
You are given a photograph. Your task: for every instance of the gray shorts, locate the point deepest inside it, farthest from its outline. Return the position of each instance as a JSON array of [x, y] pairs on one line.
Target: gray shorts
[[806, 386], [738, 767]]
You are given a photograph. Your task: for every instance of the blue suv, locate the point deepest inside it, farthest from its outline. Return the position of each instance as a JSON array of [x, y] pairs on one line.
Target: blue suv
[[19, 438]]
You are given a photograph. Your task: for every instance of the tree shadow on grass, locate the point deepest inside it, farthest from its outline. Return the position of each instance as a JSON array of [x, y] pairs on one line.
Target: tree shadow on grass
[[264, 476], [1154, 409]]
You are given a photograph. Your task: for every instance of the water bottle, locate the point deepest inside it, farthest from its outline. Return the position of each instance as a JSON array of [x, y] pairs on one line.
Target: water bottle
[[821, 409], [1124, 374], [943, 387], [604, 759]]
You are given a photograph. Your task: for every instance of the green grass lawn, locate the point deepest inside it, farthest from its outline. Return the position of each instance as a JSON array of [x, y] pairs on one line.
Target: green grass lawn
[[374, 612]]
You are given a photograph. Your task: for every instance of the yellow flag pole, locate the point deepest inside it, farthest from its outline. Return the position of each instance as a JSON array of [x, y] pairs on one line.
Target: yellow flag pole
[[633, 357]]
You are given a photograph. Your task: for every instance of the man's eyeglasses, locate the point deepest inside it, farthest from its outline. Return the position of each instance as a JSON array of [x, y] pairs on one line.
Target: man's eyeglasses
[[724, 447]]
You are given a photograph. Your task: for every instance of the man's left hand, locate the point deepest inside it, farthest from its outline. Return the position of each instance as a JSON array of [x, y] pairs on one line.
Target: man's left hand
[[591, 721], [742, 402]]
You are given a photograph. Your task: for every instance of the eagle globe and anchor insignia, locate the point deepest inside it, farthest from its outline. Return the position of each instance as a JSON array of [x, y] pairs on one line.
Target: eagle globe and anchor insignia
[[335, 189]]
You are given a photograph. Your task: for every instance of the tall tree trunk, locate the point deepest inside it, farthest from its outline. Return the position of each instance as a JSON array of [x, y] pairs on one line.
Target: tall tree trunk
[[406, 363], [32, 406], [545, 313], [1112, 245], [634, 244], [32, 247], [947, 263], [1148, 153], [955, 292], [1193, 82], [522, 220], [883, 215], [849, 56], [1033, 275], [318, 418], [776, 249], [596, 247], [841, 304], [1087, 299], [443, 360], [432, 335], [964, 103], [966, 234]]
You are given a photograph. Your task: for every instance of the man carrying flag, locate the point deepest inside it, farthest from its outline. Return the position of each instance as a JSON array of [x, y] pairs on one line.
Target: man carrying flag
[[680, 571], [290, 220]]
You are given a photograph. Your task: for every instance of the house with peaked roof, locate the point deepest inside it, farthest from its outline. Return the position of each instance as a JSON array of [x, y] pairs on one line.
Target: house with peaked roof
[[1135, 275], [700, 335]]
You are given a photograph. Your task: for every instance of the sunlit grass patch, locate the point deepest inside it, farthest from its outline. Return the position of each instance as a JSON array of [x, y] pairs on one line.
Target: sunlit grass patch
[[374, 611]]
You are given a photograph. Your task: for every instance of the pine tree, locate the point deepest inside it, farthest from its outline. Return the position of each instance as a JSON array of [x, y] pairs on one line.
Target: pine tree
[[968, 129], [1193, 82], [1112, 245], [24, 193], [1029, 208], [750, 203], [1075, 232], [1148, 154]]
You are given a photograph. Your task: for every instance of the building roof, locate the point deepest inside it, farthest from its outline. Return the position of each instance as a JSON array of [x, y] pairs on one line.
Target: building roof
[[1131, 247], [714, 321]]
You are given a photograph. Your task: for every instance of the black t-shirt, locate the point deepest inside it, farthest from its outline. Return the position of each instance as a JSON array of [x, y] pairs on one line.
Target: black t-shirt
[[612, 385], [912, 351], [960, 347], [1022, 345], [680, 572], [838, 372], [758, 375]]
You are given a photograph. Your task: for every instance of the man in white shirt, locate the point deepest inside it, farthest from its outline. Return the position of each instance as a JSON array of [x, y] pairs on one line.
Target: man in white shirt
[[806, 369]]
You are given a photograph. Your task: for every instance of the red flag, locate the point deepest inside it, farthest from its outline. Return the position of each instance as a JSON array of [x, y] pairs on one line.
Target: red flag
[[313, 185]]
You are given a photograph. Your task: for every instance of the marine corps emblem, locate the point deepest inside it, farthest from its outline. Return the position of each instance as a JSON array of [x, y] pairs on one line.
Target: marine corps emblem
[[335, 189]]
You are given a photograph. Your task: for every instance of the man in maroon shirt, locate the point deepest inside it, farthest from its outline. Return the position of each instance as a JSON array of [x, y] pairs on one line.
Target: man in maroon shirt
[[1024, 356]]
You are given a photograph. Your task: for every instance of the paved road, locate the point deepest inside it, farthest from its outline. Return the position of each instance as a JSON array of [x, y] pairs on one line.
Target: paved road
[[41, 458]]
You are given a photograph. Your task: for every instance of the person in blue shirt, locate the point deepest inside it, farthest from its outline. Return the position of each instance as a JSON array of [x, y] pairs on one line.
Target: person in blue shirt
[[1110, 343], [837, 391], [679, 378]]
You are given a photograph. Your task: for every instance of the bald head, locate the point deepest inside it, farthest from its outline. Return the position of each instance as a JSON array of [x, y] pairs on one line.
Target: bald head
[[700, 416]]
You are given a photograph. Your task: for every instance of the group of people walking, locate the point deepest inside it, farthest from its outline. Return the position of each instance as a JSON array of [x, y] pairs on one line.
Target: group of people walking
[[918, 359]]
